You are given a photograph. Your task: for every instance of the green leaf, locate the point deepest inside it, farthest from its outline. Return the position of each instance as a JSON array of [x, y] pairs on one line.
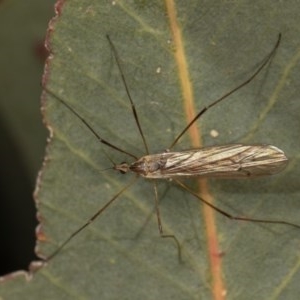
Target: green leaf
[[121, 255]]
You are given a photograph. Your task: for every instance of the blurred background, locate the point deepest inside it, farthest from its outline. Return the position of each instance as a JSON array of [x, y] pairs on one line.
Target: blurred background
[[23, 26]]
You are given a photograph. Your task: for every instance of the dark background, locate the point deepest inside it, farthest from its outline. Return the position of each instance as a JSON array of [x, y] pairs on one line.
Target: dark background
[[23, 26]]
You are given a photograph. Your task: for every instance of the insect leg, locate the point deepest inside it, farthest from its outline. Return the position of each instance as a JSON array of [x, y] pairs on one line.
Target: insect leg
[[115, 53], [99, 138], [200, 113], [91, 220], [160, 224], [229, 216]]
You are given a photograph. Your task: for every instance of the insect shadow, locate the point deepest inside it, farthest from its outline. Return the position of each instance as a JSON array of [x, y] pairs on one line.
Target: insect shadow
[[223, 161]]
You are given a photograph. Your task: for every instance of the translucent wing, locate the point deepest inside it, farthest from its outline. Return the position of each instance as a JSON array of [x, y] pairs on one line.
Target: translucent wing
[[227, 161]]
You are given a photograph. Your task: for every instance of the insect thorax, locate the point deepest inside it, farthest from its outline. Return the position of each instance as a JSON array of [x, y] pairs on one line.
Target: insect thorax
[[148, 165]]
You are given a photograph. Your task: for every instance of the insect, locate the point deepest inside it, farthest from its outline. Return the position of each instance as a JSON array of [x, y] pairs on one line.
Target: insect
[[225, 161]]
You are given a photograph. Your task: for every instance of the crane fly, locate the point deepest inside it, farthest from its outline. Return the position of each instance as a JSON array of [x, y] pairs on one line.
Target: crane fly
[[224, 161]]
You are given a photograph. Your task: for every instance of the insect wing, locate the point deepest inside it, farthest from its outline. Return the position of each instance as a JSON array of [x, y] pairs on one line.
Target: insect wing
[[227, 161]]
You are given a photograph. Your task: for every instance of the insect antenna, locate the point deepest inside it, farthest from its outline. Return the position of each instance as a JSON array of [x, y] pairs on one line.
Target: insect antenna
[[200, 113]]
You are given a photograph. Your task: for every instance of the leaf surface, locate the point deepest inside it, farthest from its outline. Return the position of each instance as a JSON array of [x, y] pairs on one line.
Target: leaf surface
[[121, 256]]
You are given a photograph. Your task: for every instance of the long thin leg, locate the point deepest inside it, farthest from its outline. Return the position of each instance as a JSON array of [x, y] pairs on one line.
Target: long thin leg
[[224, 213], [150, 215], [160, 229], [265, 62], [91, 220], [99, 138], [128, 93]]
